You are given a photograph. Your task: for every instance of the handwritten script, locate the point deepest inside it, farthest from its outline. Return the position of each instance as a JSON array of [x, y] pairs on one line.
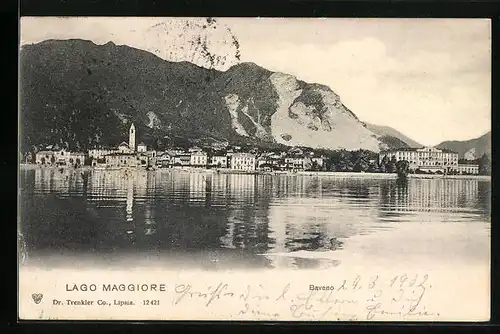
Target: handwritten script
[[374, 298]]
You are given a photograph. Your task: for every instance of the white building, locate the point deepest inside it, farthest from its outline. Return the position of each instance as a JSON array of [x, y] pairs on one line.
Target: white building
[[124, 148], [45, 158], [122, 160], [468, 169], [98, 153], [425, 158], [296, 151], [267, 162], [219, 161], [242, 161], [307, 163], [151, 157], [60, 158], [320, 161], [183, 159], [142, 148], [199, 159], [175, 152], [295, 163], [164, 160], [262, 160], [195, 149], [64, 157]]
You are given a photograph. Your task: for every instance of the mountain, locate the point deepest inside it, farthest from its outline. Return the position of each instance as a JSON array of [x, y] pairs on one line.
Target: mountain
[[76, 94], [390, 133], [393, 142], [473, 148]]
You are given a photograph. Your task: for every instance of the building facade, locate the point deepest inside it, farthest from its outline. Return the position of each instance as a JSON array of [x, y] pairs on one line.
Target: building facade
[[295, 163], [319, 161], [194, 149], [182, 160], [219, 161], [98, 153], [124, 148], [174, 152], [60, 158], [469, 169], [242, 161], [45, 158], [151, 157], [122, 160], [198, 159], [164, 160], [429, 159], [142, 148]]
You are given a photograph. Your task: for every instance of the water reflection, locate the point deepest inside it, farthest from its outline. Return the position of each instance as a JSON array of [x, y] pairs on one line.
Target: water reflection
[[240, 217], [439, 195]]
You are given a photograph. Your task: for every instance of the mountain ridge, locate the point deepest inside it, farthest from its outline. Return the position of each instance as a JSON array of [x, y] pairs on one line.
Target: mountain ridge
[[78, 95], [473, 148], [384, 130]]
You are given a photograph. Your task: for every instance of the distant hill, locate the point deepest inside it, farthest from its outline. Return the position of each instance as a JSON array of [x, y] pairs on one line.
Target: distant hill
[[393, 142], [388, 132], [473, 147]]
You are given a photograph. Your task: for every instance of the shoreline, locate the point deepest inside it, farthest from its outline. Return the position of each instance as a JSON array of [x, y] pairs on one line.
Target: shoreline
[[286, 173], [449, 177]]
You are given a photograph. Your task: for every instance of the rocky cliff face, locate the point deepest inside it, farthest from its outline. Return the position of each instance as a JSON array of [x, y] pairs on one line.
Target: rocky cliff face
[[313, 115], [79, 94]]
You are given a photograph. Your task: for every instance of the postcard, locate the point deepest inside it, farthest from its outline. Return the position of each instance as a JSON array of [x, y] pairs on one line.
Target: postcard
[[273, 169]]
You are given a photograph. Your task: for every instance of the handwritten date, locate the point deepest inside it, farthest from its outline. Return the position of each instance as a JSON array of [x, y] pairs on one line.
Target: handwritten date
[[362, 298]]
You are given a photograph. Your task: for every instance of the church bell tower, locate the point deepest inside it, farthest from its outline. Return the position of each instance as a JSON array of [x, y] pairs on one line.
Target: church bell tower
[[131, 138]]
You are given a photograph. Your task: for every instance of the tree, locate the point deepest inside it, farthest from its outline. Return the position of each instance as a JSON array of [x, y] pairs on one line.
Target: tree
[[333, 160], [345, 166], [342, 161], [360, 166], [402, 168], [484, 165], [383, 164], [390, 166], [373, 167], [28, 157], [357, 159], [315, 166], [331, 166]]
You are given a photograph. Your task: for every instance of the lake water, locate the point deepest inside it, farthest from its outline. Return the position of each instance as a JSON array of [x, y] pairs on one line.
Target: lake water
[[203, 220]]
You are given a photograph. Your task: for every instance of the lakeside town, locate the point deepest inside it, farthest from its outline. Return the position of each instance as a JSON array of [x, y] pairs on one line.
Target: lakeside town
[[238, 159]]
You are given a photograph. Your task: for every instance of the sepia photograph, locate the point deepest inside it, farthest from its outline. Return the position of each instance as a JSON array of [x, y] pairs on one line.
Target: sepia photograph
[[294, 169]]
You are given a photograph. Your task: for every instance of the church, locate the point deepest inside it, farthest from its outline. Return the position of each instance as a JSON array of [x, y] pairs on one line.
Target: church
[[126, 154], [129, 147]]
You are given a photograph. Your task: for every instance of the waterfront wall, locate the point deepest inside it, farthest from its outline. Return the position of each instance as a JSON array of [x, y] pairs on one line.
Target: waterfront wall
[[302, 173]]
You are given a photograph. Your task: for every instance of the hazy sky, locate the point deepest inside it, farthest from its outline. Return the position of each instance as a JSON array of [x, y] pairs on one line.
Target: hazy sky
[[428, 78]]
